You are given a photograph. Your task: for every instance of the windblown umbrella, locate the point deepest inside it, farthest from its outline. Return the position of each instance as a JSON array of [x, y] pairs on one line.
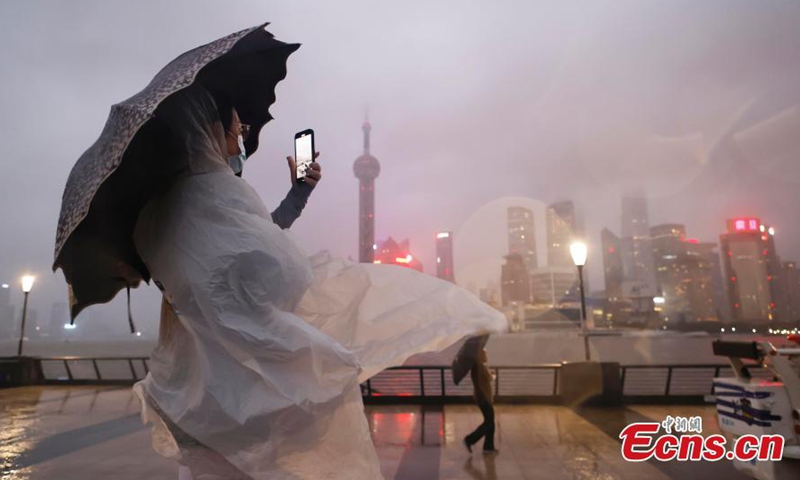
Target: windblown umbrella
[[111, 181], [467, 357]]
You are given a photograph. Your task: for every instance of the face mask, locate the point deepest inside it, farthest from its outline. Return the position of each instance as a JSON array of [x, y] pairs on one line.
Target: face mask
[[236, 162]]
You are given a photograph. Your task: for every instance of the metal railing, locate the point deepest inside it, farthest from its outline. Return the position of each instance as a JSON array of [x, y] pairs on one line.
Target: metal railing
[[100, 370], [434, 383]]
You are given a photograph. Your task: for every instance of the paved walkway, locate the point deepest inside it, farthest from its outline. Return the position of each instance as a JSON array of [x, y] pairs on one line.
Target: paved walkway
[[84, 433]]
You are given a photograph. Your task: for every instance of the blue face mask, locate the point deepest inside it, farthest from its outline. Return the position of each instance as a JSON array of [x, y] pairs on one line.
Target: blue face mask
[[236, 162]]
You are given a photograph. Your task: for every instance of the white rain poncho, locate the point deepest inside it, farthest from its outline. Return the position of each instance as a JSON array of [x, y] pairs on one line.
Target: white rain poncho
[[257, 370]]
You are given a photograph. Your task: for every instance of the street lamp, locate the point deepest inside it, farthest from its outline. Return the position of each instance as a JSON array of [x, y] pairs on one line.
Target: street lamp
[[27, 286], [579, 251]]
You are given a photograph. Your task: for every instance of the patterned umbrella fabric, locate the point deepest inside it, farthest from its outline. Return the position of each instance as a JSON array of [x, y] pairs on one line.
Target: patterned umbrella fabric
[[103, 194]]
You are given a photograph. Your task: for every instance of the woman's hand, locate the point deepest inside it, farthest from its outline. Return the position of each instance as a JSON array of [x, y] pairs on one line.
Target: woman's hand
[[313, 175]]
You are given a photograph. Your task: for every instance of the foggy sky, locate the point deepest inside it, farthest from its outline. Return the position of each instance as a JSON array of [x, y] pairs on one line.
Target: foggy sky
[[696, 102]]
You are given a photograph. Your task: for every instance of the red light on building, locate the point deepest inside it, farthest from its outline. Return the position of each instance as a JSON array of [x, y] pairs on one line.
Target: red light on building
[[735, 305], [693, 240], [733, 279], [772, 305], [611, 250], [748, 224]]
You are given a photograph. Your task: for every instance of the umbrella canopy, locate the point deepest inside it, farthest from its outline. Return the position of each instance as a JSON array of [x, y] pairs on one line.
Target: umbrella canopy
[[112, 180], [467, 356]]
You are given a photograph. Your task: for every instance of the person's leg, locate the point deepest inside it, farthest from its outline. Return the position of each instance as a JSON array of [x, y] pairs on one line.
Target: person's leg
[[476, 434], [488, 425]]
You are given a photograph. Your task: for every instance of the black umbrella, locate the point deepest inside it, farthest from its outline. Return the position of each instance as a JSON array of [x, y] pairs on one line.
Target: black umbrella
[[467, 356], [111, 181]]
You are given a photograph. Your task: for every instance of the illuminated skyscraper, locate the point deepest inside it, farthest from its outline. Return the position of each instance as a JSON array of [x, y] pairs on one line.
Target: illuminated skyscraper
[[752, 271], [444, 256], [522, 236], [561, 229], [366, 169]]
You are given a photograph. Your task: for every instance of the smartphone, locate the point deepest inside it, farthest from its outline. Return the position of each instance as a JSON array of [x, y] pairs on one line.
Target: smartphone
[[303, 152]]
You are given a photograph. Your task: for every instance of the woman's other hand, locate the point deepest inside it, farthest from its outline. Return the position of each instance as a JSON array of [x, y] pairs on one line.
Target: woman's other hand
[[314, 174]]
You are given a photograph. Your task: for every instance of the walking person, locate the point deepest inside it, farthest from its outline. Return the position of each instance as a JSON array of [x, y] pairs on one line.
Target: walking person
[[482, 385]]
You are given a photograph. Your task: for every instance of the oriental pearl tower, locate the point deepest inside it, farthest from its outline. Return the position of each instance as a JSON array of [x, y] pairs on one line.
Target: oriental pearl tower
[[366, 168]]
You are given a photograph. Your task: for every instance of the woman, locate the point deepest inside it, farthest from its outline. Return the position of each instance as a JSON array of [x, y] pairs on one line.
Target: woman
[[256, 374]]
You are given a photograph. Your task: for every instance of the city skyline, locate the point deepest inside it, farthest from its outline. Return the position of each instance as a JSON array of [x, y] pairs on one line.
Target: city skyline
[[576, 108]]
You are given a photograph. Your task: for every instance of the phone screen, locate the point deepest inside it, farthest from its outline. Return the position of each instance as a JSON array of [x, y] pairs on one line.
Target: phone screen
[[304, 155]]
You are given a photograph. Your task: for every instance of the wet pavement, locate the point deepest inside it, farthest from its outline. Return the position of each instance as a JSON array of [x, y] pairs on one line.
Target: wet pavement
[[65, 433]]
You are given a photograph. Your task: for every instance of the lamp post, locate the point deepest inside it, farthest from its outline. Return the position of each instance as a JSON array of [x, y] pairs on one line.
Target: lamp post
[[27, 286], [579, 251]]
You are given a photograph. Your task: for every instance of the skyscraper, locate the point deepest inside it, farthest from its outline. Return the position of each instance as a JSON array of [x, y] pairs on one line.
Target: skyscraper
[[555, 287], [637, 250], [444, 256], [515, 280], [684, 274], [561, 229], [671, 269], [752, 271], [393, 253], [522, 236], [612, 264], [366, 169], [791, 283]]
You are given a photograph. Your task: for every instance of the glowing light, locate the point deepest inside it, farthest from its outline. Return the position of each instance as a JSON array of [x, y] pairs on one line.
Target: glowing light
[[762, 228], [5, 285], [746, 225], [733, 329], [67, 326], [443, 235], [754, 330], [27, 283], [376, 261], [579, 251], [402, 259], [138, 334], [693, 240], [438, 260], [771, 231], [374, 246], [659, 300], [722, 330]]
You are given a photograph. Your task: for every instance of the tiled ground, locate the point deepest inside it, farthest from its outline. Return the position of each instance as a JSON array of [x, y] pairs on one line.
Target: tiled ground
[[85, 433]]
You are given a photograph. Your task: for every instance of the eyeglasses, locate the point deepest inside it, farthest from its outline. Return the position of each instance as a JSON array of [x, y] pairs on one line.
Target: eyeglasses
[[245, 129]]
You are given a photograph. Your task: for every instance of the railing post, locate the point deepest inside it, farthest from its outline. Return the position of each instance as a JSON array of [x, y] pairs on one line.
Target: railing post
[[146, 368], [96, 369], [369, 387], [622, 379], [69, 372], [421, 381], [133, 370], [556, 372], [496, 382], [669, 381], [444, 391]]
